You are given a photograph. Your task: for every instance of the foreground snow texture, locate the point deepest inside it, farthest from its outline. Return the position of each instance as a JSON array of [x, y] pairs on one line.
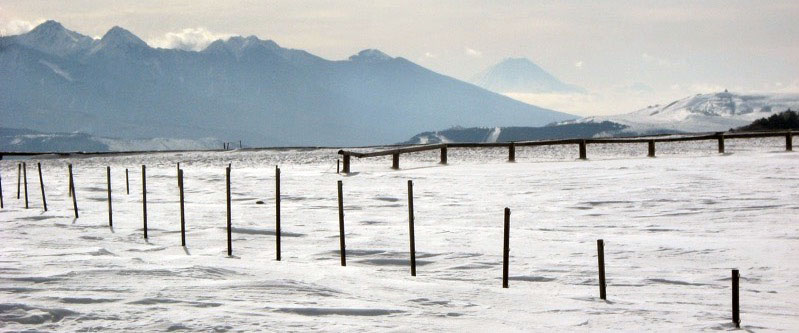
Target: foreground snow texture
[[674, 226]]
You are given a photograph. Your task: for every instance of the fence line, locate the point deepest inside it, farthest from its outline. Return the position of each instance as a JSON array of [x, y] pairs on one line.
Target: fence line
[[582, 145]]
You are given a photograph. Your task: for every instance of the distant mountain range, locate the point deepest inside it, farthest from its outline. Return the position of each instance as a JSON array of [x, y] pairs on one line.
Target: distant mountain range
[[520, 75], [25, 140], [56, 80], [700, 113]]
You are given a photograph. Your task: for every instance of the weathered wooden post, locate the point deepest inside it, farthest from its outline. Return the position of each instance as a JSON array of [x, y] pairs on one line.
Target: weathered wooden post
[[342, 245], [410, 226], [736, 315], [127, 182], [72, 191], [144, 198], [789, 141], [651, 148], [2, 205], [182, 211], [277, 212], [338, 166], [110, 210], [600, 252], [395, 161], [506, 249], [229, 226], [41, 185], [720, 136], [346, 163], [443, 155], [25, 180], [582, 150], [19, 178], [512, 152]]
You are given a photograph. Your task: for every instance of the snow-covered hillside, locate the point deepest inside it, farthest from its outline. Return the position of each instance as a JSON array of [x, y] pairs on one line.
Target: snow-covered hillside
[[673, 228], [703, 113]]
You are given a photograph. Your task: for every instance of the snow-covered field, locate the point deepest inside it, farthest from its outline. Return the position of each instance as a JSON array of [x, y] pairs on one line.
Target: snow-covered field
[[674, 226]]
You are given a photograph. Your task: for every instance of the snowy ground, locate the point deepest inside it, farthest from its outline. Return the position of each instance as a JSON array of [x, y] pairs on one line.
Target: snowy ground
[[674, 226]]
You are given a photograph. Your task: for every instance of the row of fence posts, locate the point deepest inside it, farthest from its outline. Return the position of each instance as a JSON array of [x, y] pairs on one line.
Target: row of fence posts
[[506, 235]]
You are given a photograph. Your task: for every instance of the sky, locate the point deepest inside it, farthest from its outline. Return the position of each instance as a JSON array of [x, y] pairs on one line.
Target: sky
[[626, 54]]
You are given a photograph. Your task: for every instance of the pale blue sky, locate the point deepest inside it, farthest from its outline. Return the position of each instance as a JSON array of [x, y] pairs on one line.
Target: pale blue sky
[[617, 50]]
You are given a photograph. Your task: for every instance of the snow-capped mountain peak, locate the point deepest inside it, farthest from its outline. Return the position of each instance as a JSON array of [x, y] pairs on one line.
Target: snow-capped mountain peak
[[52, 38], [520, 75], [704, 112], [370, 55]]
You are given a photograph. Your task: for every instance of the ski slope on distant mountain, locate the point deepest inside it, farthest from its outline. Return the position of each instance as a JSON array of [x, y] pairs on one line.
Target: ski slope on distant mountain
[[703, 113]]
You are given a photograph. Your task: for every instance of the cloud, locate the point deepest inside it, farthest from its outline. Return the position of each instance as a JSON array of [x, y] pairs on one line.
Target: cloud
[[579, 64], [430, 55], [16, 27], [473, 53], [190, 39], [650, 59]]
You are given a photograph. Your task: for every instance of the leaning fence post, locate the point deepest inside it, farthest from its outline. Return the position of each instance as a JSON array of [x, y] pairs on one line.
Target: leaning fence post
[[25, 179], [1, 192], [229, 231], [651, 148], [582, 150], [736, 315], [789, 141], [410, 226], [512, 152], [144, 198], [41, 185], [182, 212], [127, 182], [277, 212], [600, 251], [72, 191], [444, 154], [341, 225], [110, 210], [506, 249], [721, 142]]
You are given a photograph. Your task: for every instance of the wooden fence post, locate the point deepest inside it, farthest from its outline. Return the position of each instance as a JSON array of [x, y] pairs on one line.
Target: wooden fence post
[[410, 226], [789, 141], [721, 142], [443, 155], [41, 185], [277, 212], [512, 152], [395, 161], [346, 164], [506, 249], [144, 198], [338, 166], [582, 150], [72, 191], [651, 148], [19, 178], [127, 182], [229, 226], [182, 211], [736, 315], [2, 204], [342, 245], [25, 180], [110, 210], [600, 251]]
